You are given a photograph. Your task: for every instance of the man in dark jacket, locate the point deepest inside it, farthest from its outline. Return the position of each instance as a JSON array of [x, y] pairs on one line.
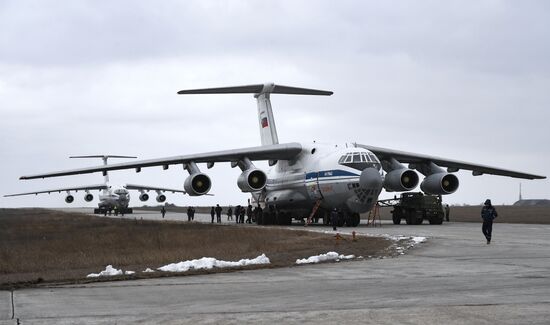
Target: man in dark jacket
[[488, 214], [212, 214], [334, 218], [229, 214], [189, 213], [218, 213], [249, 214]]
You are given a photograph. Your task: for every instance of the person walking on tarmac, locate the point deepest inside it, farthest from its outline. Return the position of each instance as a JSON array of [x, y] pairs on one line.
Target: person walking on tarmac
[[334, 218], [212, 213], [488, 214], [218, 213], [162, 212], [447, 211]]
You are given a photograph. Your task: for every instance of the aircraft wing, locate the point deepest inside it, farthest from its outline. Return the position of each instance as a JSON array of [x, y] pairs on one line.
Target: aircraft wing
[[152, 188], [452, 165], [285, 151], [76, 189]]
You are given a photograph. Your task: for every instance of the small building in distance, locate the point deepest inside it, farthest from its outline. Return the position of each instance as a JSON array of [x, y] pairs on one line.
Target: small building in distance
[[533, 203]]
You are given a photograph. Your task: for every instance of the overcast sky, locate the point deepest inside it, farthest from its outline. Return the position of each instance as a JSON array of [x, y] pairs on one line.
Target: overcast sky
[[467, 80]]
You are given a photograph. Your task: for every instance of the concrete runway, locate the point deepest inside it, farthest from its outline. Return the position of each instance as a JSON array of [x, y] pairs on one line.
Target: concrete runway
[[454, 278]]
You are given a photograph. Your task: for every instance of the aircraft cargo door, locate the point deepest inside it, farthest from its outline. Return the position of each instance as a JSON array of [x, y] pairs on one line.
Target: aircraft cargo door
[[312, 186]]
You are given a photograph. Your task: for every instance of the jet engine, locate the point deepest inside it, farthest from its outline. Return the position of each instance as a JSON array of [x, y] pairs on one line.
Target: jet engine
[[439, 183], [400, 180], [69, 198], [161, 198], [197, 184], [252, 180], [88, 197], [370, 178], [143, 197]]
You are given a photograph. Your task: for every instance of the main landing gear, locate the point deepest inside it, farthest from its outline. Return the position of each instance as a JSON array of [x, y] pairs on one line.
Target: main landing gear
[[284, 218]]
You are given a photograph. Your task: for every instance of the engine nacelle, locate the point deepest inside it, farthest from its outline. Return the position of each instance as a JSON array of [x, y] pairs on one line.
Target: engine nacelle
[[252, 180], [69, 198], [161, 198], [88, 197], [143, 197], [400, 180], [197, 184], [440, 183]]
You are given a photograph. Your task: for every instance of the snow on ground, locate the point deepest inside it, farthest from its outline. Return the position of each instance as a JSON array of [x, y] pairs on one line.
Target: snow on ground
[[210, 262], [129, 272], [109, 271], [330, 256], [148, 270], [403, 243]]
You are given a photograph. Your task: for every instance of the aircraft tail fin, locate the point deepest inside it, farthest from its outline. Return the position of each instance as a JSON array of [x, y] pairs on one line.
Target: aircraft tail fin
[[261, 92], [104, 157]]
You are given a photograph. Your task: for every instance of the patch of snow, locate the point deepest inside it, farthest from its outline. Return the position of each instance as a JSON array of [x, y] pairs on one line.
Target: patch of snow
[[418, 240], [148, 270], [129, 272], [210, 262], [330, 256], [109, 271], [402, 243]]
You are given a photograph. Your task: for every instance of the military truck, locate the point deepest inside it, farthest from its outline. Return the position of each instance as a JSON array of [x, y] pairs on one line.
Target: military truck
[[415, 207]]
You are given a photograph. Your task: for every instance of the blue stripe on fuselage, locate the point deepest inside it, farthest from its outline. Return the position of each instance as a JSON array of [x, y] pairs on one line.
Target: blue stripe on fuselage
[[329, 173]]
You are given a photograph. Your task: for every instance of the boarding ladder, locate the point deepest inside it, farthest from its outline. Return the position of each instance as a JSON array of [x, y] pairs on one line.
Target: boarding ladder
[[313, 211], [374, 216]]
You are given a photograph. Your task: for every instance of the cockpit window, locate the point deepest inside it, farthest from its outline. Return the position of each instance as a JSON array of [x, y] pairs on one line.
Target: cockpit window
[[360, 160]]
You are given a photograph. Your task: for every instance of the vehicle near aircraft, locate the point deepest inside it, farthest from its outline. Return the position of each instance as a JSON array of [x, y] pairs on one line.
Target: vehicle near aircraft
[[310, 178], [415, 207], [111, 197]]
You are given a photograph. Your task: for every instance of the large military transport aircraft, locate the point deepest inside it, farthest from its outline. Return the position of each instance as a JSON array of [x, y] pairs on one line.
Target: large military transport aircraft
[[309, 178], [110, 196]]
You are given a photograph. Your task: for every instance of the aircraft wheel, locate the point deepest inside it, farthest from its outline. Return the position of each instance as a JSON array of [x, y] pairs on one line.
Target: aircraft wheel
[[289, 219], [396, 220], [355, 219], [436, 220]]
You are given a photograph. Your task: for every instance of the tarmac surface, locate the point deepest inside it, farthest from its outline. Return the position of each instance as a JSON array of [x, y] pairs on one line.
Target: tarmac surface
[[453, 278]]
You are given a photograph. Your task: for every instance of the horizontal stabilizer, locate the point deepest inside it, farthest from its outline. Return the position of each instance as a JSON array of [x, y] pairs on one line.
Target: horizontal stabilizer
[[268, 88], [102, 156]]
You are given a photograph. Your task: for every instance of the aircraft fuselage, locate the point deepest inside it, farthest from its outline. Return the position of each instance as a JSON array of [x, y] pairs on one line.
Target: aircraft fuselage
[[114, 196], [330, 173]]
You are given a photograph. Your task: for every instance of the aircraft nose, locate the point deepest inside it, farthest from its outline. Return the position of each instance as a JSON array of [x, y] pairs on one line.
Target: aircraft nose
[[370, 178]]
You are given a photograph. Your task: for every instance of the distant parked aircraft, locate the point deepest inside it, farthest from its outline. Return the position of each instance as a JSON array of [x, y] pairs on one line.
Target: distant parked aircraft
[[110, 196]]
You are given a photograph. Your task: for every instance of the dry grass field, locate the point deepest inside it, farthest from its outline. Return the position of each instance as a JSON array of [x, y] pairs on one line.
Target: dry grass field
[[38, 245]]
